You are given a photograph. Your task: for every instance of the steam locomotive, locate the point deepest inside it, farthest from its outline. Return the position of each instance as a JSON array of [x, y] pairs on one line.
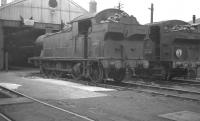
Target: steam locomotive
[[111, 43], [172, 49]]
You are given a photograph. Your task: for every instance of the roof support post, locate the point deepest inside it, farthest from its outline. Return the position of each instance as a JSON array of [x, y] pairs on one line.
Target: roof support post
[[1, 47]]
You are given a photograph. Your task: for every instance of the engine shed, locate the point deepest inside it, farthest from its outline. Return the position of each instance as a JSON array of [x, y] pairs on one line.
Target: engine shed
[[22, 21]]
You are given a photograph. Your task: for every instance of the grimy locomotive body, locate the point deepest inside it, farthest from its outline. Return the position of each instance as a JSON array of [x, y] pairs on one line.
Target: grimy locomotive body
[[110, 43], [97, 46], [172, 49]]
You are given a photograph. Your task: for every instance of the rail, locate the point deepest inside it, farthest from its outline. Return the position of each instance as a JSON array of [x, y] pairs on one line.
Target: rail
[[5, 117], [48, 105]]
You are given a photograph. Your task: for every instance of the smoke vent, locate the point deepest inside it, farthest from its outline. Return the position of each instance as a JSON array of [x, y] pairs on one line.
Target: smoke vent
[[3, 2], [194, 19], [93, 6]]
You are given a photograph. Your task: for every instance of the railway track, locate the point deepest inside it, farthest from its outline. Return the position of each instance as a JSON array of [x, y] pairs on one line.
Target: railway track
[[152, 89], [84, 118], [187, 82], [158, 90], [168, 91], [147, 88], [4, 117]]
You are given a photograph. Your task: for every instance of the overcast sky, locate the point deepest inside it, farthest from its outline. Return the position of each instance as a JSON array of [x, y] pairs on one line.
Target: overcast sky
[[163, 9]]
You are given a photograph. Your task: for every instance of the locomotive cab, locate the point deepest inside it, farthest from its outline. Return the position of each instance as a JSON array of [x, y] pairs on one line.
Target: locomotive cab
[[84, 26], [115, 39]]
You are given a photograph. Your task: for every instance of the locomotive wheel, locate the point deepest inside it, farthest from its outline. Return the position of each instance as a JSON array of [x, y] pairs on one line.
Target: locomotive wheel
[[192, 74], [119, 74], [44, 71], [168, 76], [58, 74], [77, 71], [47, 73], [52, 74], [96, 72]]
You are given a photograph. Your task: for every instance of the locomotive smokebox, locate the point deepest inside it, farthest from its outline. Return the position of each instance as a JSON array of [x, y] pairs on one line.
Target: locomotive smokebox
[[194, 19], [93, 6]]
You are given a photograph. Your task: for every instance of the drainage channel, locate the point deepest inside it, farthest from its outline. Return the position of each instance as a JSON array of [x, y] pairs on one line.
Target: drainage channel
[[5, 97], [4, 93]]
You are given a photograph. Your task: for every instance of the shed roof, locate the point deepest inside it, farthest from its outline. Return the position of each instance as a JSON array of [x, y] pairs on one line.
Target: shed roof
[[41, 11]]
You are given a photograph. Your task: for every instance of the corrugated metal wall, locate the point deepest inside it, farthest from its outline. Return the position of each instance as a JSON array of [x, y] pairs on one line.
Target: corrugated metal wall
[[41, 11]]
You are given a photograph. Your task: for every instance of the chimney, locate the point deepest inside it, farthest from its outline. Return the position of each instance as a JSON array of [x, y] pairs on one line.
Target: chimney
[[93, 6], [3, 2], [194, 19]]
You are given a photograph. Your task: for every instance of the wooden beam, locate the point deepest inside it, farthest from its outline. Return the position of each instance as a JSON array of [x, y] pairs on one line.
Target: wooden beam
[[37, 25]]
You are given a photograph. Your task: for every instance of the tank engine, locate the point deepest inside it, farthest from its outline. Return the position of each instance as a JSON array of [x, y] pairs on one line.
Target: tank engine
[[96, 46], [172, 49]]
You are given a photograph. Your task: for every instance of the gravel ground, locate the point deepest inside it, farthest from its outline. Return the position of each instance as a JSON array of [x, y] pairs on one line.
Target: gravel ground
[[101, 105], [36, 112]]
